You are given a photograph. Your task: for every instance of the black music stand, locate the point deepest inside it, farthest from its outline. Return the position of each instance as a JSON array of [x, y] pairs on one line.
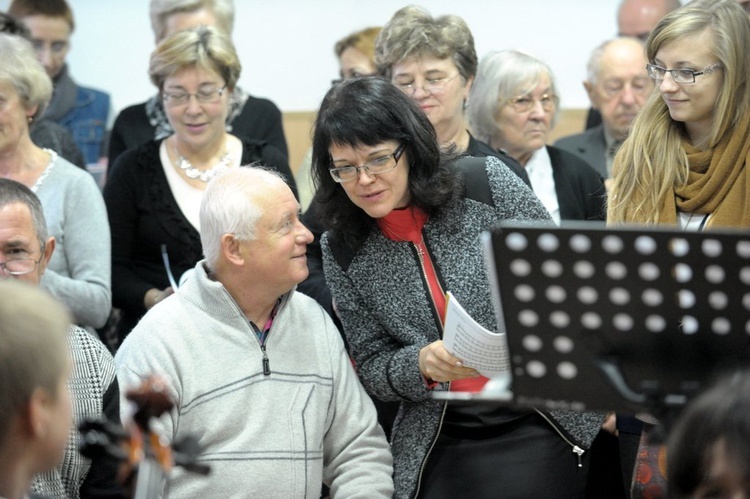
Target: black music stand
[[631, 319]]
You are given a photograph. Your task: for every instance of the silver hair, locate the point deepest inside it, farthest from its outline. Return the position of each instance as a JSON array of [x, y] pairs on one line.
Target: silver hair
[[230, 206], [503, 75]]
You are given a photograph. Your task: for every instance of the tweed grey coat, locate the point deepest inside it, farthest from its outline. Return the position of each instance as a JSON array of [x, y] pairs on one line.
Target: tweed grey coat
[[383, 302]]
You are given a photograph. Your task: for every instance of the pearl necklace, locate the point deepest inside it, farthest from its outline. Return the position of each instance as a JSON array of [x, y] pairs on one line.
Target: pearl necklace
[[202, 175]]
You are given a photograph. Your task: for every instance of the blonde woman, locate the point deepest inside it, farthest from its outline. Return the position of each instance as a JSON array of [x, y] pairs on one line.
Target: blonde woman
[[154, 190], [685, 162]]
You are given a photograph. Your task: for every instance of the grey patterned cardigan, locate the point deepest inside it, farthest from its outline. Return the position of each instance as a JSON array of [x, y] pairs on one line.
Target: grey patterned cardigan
[[383, 302]]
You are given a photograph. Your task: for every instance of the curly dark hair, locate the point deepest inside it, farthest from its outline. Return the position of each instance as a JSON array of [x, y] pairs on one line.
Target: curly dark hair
[[369, 111]]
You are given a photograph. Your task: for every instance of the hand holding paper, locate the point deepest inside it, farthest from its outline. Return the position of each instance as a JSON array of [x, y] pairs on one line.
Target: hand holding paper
[[437, 363], [474, 345]]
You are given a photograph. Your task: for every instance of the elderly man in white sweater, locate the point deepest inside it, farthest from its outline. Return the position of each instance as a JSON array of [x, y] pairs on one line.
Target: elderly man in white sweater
[[258, 371]]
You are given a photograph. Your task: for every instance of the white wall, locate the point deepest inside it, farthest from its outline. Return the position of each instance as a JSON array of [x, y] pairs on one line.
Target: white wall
[[286, 46]]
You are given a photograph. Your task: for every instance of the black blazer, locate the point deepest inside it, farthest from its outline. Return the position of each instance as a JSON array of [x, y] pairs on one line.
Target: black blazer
[[580, 188], [590, 146]]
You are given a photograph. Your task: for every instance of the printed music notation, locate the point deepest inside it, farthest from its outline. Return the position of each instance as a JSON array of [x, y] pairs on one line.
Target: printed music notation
[[476, 346]]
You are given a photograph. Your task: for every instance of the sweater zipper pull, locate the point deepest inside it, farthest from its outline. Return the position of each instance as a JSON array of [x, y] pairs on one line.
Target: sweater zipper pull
[[266, 367], [578, 452]]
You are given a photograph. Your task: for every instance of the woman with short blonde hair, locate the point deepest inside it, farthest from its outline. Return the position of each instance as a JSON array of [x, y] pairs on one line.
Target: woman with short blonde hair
[[154, 191]]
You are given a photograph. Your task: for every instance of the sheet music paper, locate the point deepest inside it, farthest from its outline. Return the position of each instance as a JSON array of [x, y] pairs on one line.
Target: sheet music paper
[[476, 346]]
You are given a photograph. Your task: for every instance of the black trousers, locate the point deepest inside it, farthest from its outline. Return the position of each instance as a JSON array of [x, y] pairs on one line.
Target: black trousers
[[526, 459]]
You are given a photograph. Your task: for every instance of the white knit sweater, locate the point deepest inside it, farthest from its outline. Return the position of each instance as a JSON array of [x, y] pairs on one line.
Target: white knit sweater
[[277, 435]]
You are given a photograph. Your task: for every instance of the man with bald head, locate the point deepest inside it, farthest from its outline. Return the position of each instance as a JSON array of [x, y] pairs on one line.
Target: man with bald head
[[637, 18], [258, 371], [617, 86]]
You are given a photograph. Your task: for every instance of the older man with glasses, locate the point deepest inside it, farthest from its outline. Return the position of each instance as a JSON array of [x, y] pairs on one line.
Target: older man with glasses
[[636, 18], [25, 251], [618, 86]]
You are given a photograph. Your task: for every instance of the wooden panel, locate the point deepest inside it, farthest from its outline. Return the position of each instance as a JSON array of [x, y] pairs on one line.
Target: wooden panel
[[298, 130], [569, 121]]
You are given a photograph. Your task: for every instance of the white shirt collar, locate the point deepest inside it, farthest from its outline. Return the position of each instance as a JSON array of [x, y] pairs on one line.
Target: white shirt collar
[[539, 169]]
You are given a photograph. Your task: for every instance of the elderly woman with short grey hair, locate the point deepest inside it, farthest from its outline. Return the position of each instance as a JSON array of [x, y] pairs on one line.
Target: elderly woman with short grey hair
[[78, 273], [513, 105]]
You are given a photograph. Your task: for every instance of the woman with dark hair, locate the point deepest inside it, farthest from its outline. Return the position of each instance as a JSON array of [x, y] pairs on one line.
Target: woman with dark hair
[[708, 452], [404, 224]]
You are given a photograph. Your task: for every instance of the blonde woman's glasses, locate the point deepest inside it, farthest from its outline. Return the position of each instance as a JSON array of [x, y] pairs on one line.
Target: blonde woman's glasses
[[204, 96], [680, 75]]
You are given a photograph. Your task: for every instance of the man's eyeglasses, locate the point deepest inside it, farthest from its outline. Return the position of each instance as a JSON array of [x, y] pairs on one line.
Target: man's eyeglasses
[[526, 103], [204, 96], [377, 166], [680, 75], [19, 266], [430, 85]]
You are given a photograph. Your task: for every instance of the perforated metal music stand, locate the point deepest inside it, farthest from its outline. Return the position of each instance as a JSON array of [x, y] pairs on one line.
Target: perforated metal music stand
[[628, 319]]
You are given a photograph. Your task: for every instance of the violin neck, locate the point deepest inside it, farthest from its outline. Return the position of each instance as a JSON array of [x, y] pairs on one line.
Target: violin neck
[[150, 480]]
